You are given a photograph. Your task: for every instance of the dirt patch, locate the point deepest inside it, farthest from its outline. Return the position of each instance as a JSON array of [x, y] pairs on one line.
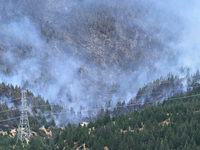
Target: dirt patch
[[123, 131], [84, 123], [129, 128], [13, 132], [47, 133], [90, 129], [141, 129], [63, 128], [167, 121], [84, 148], [33, 133]]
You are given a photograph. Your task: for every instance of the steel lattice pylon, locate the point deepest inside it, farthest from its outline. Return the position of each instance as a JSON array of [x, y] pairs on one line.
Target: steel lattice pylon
[[24, 131]]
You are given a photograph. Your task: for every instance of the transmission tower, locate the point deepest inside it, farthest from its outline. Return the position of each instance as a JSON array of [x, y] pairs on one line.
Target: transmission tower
[[24, 131]]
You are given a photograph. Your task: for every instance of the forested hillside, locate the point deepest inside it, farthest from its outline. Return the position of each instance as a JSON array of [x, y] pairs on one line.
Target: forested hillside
[[91, 52], [174, 124], [40, 112], [171, 125], [101, 74]]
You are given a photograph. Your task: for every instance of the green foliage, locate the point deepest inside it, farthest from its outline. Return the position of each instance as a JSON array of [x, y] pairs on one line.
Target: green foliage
[[106, 119], [173, 124], [46, 126], [37, 143], [150, 131], [15, 124], [6, 142], [91, 124], [39, 106], [51, 123]]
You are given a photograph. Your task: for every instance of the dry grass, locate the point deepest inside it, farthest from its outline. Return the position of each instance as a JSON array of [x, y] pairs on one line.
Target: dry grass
[[167, 121], [47, 133], [84, 123]]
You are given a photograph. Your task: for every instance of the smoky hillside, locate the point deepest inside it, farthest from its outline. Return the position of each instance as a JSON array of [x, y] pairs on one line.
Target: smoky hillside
[[89, 54]]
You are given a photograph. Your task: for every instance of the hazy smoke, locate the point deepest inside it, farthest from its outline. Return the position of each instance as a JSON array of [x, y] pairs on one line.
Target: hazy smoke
[[52, 49]]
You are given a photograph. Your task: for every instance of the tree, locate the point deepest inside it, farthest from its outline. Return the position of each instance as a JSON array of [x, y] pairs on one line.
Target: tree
[[19, 146], [61, 143], [106, 119], [48, 107], [35, 128], [90, 125], [46, 125], [71, 143], [43, 120], [8, 131], [36, 143], [52, 123], [56, 138]]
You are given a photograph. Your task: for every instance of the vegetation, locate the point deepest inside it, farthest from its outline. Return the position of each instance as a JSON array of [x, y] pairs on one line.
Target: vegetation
[[10, 101], [121, 39], [174, 124]]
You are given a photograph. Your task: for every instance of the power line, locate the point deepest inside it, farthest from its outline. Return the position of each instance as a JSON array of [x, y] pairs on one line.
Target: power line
[[93, 100], [9, 119], [150, 85], [99, 99], [113, 108], [17, 99], [7, 110]]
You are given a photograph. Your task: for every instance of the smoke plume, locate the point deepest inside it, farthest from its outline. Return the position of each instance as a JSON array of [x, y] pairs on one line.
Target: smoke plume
[[86, 53]]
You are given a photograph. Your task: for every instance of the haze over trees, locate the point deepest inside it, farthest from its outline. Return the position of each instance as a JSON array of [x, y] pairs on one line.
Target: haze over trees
[[88, 50], [173, 124], [127, 68]]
